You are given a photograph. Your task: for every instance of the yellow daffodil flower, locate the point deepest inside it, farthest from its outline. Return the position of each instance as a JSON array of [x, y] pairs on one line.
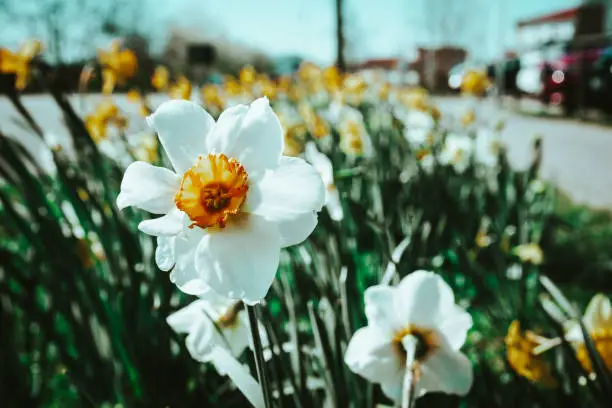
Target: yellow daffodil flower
[[117, 66], [598, 322], [247, 76], [18, 63], [522, 358], [530, 253], [332, 79], [135, 96], [212, 99], [476, 83], [317, 126], [160, 78], [180, 89], [147, 149], [309, 72], [106, 113], [354, 87]]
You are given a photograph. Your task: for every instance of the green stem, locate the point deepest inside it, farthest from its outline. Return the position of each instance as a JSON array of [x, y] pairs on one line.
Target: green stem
[[259, 357]]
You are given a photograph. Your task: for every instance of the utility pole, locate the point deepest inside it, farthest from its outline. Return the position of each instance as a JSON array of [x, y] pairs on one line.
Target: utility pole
[[340, 62]]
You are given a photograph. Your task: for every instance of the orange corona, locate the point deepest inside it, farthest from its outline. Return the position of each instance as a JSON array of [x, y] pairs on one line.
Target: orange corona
[[212, 191], [427, 342]]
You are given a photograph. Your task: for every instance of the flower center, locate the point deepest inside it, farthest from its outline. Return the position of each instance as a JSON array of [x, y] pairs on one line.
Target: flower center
[[229, 320], [427, 342], [212, 191]]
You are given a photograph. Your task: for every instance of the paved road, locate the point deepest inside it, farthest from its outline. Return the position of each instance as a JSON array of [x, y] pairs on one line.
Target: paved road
[[576, 154]]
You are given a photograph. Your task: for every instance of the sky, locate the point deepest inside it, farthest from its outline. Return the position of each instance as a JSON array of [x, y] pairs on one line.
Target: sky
[[375, 28]]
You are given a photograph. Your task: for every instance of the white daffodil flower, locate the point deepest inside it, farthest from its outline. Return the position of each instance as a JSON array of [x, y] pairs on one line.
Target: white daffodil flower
[[598, 322], [214, 320], [354, 138], [457, 152], [231, 203], [323, 165], [218, 345], [488, 147], [218, 332], [418, 128], [422, 308]]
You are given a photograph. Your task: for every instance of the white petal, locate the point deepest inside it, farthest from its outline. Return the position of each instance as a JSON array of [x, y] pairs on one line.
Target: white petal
[[422, 298], [380, 309], [446, 371], [394, 389], [297, 230], [184, 319], [454, 326], [223, 135], [238, 336], [202, 339], [259, 143], [148, 187], [240, 260], [293, 189], [334, 205], [164, 253], [182, 127], [168, 225], [183, 275], [253, 135], [320, 162], [598, 314], [228, 365], [370, 354]]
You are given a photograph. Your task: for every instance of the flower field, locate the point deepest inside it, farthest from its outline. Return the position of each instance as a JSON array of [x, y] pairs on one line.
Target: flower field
[[320, 239]]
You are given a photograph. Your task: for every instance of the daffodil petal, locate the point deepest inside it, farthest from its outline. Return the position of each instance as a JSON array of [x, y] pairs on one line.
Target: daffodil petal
[[202, 339], [240, 260], [455, 326], [380, 309], [252, 135], [292, 190], [226, 364], [334, 205], [164, 253], [296, 231], [598, 314], [148, 187], [320, 162], [182, 127], [183, 274], [422, 298], [225, 132], [371, 355], [168, 225], [394, 388], [184, 319], [446, 371]]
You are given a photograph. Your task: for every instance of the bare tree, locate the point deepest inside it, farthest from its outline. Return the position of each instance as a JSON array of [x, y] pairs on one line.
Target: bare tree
[[340, 62], [70, 27]]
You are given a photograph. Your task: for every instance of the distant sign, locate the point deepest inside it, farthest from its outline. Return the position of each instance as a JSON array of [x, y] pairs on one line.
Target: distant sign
[[203, 54]]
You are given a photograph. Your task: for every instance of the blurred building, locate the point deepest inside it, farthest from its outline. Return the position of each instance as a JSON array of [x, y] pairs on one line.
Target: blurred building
[[434, 65], [589, 21]]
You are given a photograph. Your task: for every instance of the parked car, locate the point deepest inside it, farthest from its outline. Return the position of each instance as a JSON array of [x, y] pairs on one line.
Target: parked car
[[570, 80], [533, 67]]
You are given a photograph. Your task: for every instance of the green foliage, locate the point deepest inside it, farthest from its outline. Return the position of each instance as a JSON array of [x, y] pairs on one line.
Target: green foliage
[[83, 306]]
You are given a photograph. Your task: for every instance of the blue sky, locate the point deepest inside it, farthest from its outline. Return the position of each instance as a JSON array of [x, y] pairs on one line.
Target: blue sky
[[376, 28]]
